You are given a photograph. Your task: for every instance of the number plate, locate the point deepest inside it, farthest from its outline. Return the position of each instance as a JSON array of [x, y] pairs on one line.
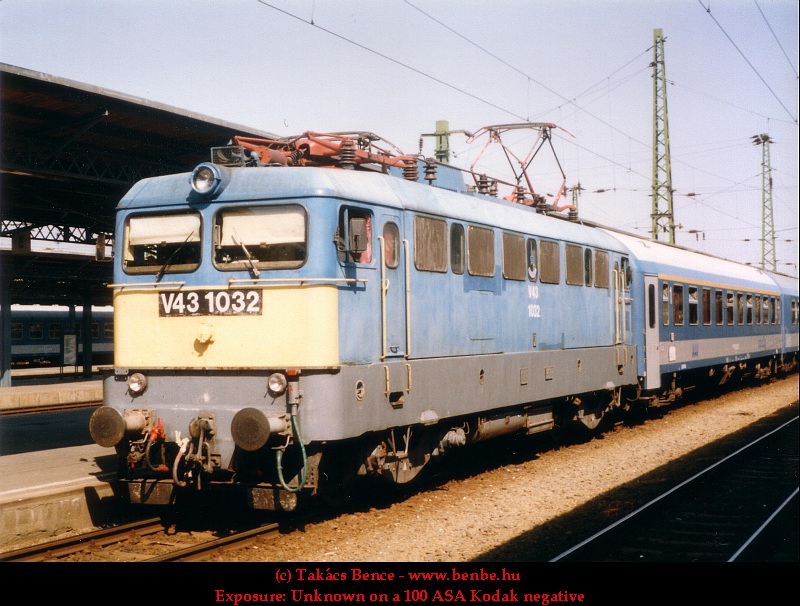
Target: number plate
[[210, 303]]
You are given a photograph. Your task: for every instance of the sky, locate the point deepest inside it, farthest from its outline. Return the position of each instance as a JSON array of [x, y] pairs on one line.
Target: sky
[[396, 67]]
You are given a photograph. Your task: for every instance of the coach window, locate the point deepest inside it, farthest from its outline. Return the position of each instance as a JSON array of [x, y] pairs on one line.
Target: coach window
[[739, 308], [16, 331], [108, 330], [54, 331], [765, 310], [601, 269], [158, 244], [95, 330], [480, 251], [772, 316], [718, 315], [430, 244], [391, 245], [665, 304], [78, 331], [574, 256], [549, 262], [778, 310], [677, 304], [587, 267], [758, 309], [274, 237], [533, 260], [513, 257], [457, 248], [651, 305], [729, 317], [35, 330], [706, 302], [749, 309], [693, 315]]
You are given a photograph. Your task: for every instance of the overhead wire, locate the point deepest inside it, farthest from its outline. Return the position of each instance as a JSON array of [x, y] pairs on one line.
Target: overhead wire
[[388, 58], [778, 42], [708, 10], [572, 101], [529, 79]]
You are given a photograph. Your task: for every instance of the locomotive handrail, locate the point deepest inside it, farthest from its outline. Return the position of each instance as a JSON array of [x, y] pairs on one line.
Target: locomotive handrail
[[383, 305], [299, 280], [146, 284], [408, 302]]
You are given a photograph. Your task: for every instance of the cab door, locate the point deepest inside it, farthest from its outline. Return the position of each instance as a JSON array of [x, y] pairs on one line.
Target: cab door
[[394, 288]]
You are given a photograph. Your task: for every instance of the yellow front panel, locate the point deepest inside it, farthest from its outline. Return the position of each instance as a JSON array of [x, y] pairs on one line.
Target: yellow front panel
[[298, 326]]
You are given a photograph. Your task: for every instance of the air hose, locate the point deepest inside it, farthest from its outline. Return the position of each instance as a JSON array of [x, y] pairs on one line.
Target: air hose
[[279, 457]]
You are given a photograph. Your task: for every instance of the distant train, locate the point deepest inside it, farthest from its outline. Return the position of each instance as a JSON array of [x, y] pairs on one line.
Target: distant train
[[37, 335], [300, 312]]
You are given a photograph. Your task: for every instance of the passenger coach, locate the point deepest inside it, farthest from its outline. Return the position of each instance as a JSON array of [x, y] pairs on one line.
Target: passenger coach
[[707, 318]]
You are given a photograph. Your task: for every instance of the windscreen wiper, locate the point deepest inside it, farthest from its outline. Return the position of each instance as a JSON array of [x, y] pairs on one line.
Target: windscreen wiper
[[247, 254], [171, 258]]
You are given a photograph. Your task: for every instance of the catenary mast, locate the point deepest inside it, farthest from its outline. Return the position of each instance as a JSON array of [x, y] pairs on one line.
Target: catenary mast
[[661, 214]]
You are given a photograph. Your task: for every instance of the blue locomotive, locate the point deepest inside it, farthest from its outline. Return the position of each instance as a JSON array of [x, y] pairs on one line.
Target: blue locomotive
[[300, 312]]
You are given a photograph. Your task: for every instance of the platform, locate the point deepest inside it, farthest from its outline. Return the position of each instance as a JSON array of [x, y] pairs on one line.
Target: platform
[[50, 394], [33, 387], [53, 492]]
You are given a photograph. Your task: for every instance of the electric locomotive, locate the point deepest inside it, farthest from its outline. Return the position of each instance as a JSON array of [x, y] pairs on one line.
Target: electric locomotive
[[299, 312]]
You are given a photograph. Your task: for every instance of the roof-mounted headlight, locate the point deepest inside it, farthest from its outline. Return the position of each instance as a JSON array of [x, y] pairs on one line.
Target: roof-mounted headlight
[[208, 179]]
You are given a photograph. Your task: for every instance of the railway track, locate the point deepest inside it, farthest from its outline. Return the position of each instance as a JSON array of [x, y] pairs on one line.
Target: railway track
[[61, 548], [720, 514], [102, 544]]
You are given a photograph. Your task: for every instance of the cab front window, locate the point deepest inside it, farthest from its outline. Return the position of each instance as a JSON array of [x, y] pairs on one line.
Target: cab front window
[[163, 243], [260, 237]]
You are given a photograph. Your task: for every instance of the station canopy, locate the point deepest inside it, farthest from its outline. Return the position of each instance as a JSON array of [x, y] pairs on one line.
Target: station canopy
[[68, 152]]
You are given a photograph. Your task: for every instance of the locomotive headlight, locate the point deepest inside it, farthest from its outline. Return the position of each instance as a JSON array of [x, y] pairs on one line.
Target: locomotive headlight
[[137, 383], [208, 179], [276, 383]]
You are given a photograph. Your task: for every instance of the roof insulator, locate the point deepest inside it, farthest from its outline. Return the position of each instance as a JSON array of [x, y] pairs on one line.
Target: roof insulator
[[430, 170], [348, 154], [410, 170], [483, 184]]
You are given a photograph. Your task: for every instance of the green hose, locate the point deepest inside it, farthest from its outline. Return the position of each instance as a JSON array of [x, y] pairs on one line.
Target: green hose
[[279, 457]]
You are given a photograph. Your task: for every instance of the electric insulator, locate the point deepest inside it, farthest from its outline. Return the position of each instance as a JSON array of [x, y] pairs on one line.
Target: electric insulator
[[483, 184], [410, 170], [348, 154], [430, 170], [493, 188], [519, 195], [573, 214]]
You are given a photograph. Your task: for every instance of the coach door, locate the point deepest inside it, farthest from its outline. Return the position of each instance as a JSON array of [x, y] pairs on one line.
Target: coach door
[[622, 311], [395, 292], [651, 320]]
